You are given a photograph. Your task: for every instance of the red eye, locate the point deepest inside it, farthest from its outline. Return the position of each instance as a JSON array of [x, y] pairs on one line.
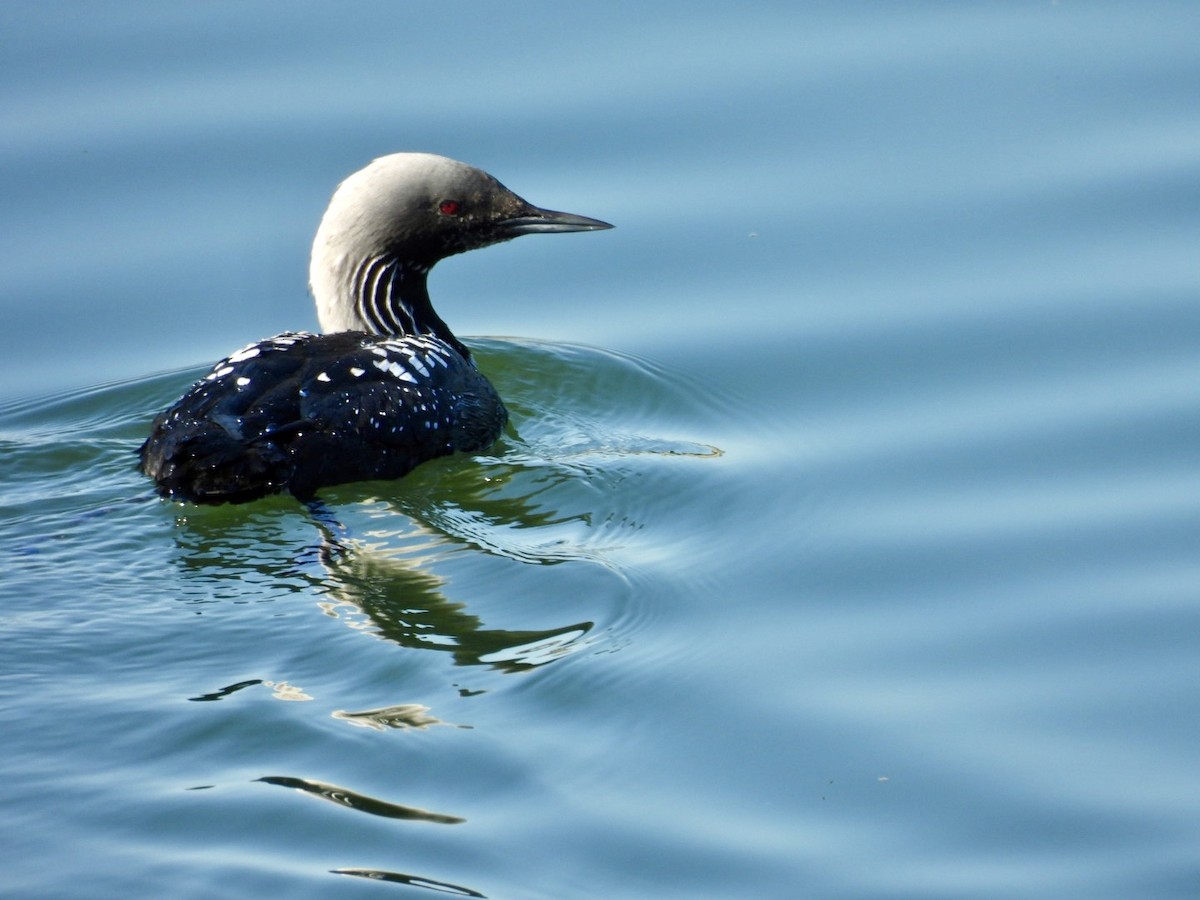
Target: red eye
[[449, 207]]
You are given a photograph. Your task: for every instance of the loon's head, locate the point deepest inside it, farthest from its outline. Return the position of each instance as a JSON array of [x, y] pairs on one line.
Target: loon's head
[[390, 222]]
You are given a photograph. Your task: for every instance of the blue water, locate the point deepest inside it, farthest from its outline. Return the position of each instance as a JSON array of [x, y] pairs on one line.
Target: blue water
[[845, 540]]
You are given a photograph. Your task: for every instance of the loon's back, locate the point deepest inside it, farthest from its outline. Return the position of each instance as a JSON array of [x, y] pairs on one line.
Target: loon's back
[[302, 411]]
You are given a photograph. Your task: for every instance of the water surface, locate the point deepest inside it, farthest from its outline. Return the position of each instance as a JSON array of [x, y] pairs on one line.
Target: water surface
[[843, 543]]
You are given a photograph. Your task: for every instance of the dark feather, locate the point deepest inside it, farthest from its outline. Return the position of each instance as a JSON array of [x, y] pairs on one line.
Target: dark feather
[[301, 411]]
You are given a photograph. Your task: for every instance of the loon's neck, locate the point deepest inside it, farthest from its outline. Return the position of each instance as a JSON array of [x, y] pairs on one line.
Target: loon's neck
[[387, 296]]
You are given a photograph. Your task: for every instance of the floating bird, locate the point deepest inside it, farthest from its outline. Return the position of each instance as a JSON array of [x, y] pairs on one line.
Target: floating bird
[[387, 385]]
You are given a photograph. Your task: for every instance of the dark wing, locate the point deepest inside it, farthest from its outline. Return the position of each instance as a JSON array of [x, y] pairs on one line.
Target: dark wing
[[299, 412]]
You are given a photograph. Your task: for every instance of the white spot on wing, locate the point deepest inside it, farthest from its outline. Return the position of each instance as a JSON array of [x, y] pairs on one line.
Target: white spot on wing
[[246, 353]]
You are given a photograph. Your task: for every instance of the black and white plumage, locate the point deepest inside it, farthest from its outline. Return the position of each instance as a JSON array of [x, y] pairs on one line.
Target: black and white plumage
[[388, 385]]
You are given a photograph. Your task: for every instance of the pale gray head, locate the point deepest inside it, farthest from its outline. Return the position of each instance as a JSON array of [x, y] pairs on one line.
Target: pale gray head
[[389, 223]]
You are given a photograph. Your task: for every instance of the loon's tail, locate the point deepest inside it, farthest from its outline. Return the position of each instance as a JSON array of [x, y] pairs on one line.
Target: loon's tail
[[204, 463]]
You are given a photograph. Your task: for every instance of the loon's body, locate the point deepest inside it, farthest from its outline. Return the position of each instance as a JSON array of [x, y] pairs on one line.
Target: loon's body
[[388, 385]]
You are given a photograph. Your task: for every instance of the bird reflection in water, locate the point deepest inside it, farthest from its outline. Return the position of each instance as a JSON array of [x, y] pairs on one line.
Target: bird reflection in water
[[398, 600], [389, 587]]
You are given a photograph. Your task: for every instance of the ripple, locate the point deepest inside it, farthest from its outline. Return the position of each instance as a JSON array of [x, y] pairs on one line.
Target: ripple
[[595, 438], [361, 802], [443, 887], [597, 476], [599, 470]]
